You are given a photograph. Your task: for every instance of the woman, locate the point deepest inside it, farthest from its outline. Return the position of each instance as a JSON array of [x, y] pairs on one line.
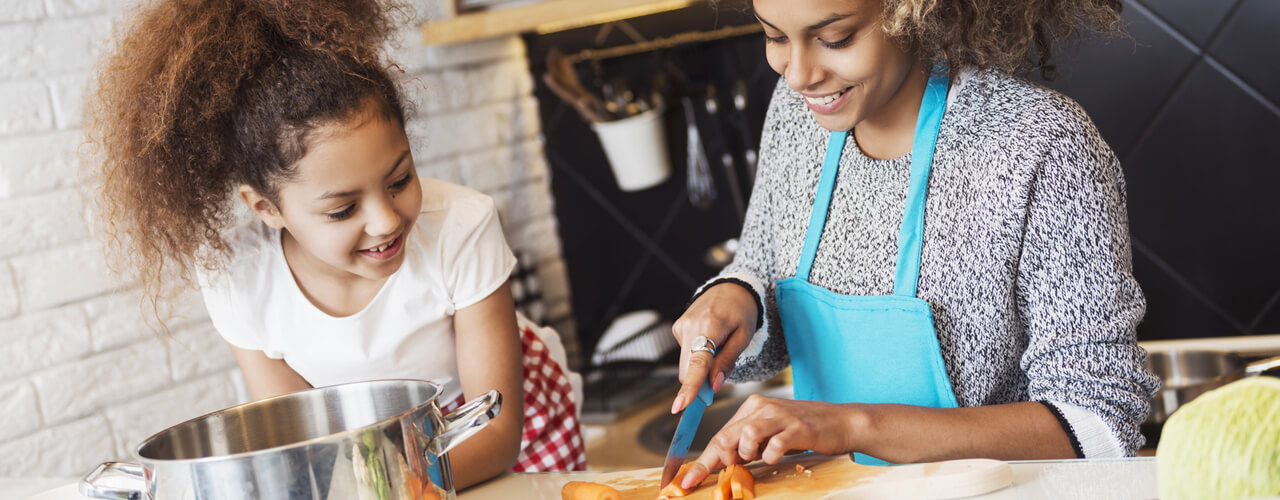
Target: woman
[[938, 248]]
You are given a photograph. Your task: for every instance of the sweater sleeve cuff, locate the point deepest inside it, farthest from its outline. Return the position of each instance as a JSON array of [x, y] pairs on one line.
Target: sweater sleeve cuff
[[756, 288], [1090, 436]]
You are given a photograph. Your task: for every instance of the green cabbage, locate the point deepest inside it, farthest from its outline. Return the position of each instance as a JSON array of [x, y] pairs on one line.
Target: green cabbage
[[1224, 444]]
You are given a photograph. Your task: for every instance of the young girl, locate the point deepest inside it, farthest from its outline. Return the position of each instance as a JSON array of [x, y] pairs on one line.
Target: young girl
[[938, 248], [353, 268]]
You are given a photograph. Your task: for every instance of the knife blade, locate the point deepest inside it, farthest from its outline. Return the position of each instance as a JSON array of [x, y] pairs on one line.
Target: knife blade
[[685, 430]]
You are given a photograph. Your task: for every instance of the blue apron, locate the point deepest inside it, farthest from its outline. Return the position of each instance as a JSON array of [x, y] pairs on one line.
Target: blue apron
[[869, 349]]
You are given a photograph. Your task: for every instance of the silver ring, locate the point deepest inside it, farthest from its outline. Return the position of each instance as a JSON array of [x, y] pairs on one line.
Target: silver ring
[[702, 343]]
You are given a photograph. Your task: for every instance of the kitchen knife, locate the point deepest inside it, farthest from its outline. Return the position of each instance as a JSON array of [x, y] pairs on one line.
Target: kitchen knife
[[684, 433]]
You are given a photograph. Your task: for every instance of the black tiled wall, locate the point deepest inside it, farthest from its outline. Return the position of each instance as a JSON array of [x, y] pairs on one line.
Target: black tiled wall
[[627, 251], [1189, 104]]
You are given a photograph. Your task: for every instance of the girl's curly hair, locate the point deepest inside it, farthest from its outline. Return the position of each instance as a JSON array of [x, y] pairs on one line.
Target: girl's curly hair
[[1015, 36], [200, 96]]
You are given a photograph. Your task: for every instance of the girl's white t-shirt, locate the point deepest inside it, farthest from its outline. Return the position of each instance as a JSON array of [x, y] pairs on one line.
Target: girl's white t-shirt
[[455, 256]]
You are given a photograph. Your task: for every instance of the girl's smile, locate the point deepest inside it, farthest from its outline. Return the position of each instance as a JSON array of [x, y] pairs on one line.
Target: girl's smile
[[384, 251]]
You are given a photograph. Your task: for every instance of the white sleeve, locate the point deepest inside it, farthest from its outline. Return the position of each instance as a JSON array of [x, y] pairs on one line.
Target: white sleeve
[[477, 258], [228, 318], [1088, 432]]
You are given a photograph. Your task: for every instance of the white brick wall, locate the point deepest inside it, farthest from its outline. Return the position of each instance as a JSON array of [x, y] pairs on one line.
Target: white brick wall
[[41, 340], [22, 10], [8, 292], [22, 413], [42, 221], [38, 163], [74, 389], [66, 449], [81, 7], [84, 373], [61, 275], [25, 107]]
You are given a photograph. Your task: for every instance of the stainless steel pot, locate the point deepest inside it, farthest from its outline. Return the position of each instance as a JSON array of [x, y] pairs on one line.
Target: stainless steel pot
[[379, 440], [1187, 374]]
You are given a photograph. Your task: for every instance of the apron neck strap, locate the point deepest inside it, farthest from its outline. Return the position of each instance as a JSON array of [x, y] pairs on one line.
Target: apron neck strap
[[910, 234]]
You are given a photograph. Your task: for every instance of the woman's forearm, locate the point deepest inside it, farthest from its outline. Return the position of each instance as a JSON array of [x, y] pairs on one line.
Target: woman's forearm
[[911, 434]]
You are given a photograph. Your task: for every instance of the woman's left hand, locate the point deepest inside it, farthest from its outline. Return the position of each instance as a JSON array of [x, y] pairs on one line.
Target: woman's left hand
[[767, 428]]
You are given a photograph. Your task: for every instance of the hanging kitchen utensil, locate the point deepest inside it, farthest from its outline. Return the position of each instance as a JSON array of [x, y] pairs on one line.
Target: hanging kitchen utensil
[[609, 97], [721, 254], [726, 159], [560, 69], [701, 187], [583, 106], [624, 98], [744, 126]]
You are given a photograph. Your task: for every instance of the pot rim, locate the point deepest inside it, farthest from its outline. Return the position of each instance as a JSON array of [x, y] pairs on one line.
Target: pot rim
[[137, 452], [1230, 356]]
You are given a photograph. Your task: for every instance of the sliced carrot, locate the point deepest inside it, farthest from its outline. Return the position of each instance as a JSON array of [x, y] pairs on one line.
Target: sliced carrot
[[673, 488], [725, 474], [582, 490], [742, 485], [723, 491]]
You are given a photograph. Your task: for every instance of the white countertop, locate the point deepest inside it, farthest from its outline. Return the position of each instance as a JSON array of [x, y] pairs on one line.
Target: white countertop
[[1118, 479]]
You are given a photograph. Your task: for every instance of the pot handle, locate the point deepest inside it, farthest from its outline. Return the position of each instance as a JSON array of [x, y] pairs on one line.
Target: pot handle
[[1257, 367], [100, 483], [466, 420]]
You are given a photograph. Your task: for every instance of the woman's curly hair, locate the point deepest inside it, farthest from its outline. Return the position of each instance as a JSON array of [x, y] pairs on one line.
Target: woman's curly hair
[[200, 96], [1017, 36]]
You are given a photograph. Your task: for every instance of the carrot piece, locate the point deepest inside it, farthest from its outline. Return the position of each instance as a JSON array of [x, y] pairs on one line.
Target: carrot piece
[[725, 474], [723, 491], [673, 488], [582, 490], [742, 485]]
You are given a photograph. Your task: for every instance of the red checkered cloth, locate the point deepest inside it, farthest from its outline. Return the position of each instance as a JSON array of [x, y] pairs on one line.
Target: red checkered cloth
[[552, 439]]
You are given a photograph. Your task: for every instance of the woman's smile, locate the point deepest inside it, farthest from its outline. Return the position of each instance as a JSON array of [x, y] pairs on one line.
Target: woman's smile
[[826, 104]]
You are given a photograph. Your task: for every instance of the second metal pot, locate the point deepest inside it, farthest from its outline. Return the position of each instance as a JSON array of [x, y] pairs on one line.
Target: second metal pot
[[1188, 374], [379, 440]]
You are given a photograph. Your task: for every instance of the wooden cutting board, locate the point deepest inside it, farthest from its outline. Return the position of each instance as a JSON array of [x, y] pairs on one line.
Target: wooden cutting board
[[837, 477]]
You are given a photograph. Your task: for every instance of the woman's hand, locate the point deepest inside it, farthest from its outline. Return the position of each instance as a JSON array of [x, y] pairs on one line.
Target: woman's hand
[[767, 428], [724, 313]]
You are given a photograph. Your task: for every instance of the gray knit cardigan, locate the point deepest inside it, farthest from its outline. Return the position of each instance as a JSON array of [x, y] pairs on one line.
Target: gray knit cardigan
[[1026, 260]]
